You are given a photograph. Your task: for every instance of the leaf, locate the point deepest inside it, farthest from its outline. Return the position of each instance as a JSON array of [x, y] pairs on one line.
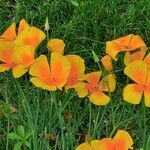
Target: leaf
[[18, 146], [21, 131], [14, 136], [28, 134], [75, 3], [27, 144]]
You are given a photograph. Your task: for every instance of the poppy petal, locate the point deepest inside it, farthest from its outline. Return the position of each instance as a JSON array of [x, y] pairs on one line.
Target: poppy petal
[[137, 71], [132, 93], [56, 45], [31, 36], [3, 68], [84, 146], [93, 78], [19, 70], [108, 83], [123, 140], [99, 98], [106, 144], [40, 69], [23, 25], [23, 55], [147, 96], [39, 83], [60, 69], [77, 70], [147, 60], [10, 33], [81, 90], [107, 63]]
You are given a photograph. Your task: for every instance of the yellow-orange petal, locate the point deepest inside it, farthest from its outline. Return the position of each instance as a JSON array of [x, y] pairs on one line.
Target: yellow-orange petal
[[147, 96], [23, 55], [137, 71], [137, 42], [23, 25], [19, 70], [107, 63], [56, 45], [3, 68], [108, 83], [93, 78], [112, 49], [60, 69], [31, 36], [39, 83], [99, 98], [84, 146], [77, 69], [132, 93], [81, 90], [128, 58], [10, 33], [123, 140], [40, 69], [95, 145], [147, 60], [107, 144]]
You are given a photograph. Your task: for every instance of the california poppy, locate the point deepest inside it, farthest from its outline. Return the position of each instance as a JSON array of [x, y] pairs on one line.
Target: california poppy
[[107, 63], [50, 77], [139, 72], [95, 88], [127, 43]]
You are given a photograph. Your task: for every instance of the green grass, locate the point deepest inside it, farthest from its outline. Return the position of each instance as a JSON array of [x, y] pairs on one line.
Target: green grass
[[83, 28]]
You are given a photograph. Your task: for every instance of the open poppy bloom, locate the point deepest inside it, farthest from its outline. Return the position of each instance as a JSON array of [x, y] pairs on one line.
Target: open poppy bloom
[[76, 72], [95, 88], [17, 51], [139, 72], [107, 63], [56, 45], [127, 43], [121, 141], [50, 77]]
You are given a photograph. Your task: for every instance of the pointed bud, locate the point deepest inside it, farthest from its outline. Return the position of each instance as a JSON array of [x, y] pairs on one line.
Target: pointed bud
[[47, 28], [95, 57]]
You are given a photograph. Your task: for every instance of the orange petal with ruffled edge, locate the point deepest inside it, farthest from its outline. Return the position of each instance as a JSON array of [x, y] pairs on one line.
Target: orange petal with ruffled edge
[[128, 58], [31, 36], [4, 67], [40, 71], [137, 42], [108, 83], [99, 98], [23, 25], [132, 93], [93, 78], [56, 45], [81, 90], [77, 70], [10, 33], [23, 55], [84, 146], [107, 144], [123, 140], [60, 69], [137, 71]]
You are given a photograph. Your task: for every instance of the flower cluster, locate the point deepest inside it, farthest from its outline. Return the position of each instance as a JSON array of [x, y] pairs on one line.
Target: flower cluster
[[59, 71]]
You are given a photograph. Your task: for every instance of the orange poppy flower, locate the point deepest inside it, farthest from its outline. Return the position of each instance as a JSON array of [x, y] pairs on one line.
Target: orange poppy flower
[[127, 43], [56, 45], [76, 72], [95, 88], [107, 63], [139, 72], [17, 52], [50, 77], [121, 141]]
